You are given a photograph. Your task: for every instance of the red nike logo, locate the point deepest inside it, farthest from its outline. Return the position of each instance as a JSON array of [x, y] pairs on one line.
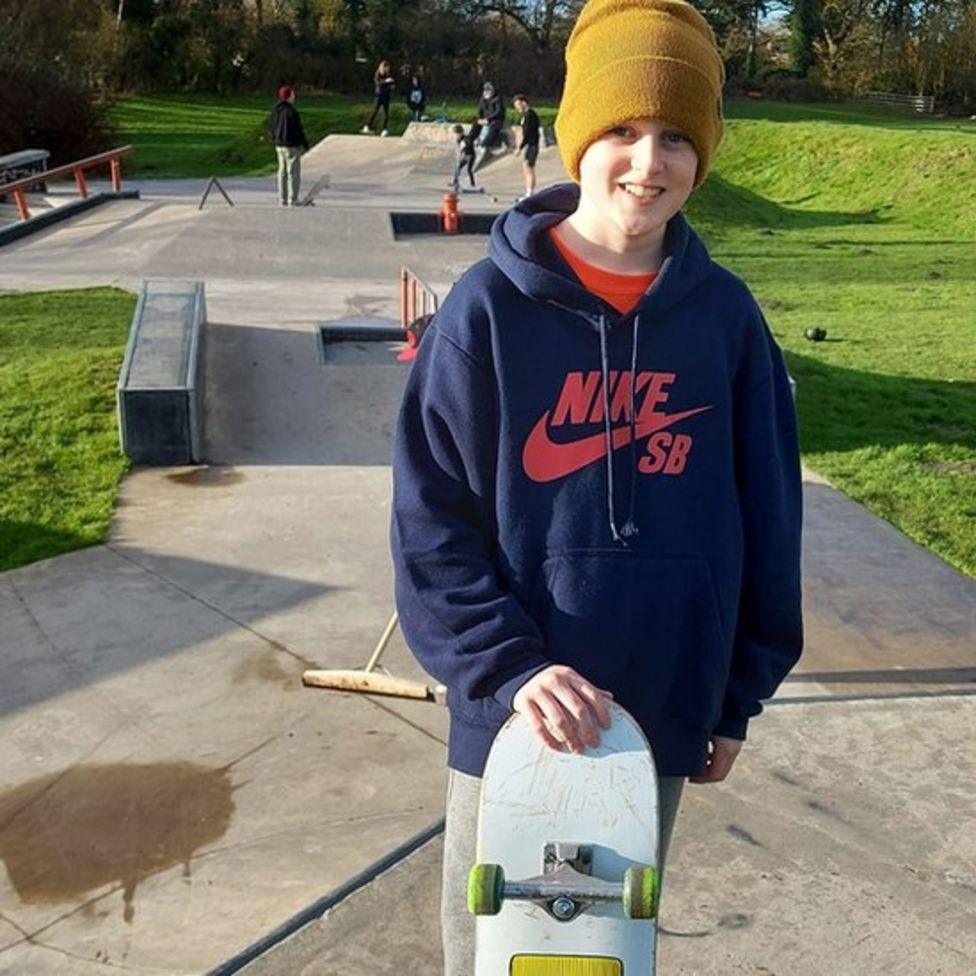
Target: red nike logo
[[547, 460]]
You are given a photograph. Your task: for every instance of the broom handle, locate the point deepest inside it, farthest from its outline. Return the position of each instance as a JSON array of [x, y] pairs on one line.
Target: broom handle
[[383, 641]]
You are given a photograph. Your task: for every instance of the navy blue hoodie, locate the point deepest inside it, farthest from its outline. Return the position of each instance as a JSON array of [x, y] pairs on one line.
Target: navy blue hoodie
[[538, 519]]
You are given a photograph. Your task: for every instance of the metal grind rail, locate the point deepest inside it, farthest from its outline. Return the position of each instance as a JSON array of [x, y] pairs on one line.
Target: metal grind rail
[[418, 303], [113, 157]]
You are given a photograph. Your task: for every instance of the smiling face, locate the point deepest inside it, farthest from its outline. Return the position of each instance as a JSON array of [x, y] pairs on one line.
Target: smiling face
[[633, 180]]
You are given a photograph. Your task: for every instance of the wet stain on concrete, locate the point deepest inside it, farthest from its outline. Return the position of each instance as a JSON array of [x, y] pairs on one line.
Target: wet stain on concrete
[[70, 833], [208, 476], [740, 833], [274, 664], [734, 920], [366, 304]]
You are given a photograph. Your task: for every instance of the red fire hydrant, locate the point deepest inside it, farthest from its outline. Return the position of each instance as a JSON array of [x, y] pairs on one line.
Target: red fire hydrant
[[450, 216]]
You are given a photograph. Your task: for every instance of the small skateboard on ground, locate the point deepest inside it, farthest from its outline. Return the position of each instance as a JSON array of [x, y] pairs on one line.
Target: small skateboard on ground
[[567, 882]]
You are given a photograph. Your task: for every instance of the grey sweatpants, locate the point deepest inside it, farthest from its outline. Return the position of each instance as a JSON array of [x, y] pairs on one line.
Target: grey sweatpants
[[460, 851], [289, 174]]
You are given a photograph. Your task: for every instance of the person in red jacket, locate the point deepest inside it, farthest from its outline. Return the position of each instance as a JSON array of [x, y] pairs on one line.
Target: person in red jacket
[[289, 139]]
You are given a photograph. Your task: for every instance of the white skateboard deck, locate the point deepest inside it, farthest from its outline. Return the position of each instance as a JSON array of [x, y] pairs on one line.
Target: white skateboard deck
[[606, 802]]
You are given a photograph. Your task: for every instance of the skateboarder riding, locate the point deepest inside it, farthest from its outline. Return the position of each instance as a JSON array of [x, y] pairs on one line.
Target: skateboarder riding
[[596, 469]]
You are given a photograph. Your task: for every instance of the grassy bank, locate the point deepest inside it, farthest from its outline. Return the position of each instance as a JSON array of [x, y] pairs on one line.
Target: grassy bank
[[60, 464], [859, 223]]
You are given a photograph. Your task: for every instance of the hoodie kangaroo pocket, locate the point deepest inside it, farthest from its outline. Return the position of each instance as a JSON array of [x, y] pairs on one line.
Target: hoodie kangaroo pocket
[[645, 628]]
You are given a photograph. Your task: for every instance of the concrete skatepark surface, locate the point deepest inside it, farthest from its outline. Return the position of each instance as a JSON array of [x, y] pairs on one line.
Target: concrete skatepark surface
[[169, 794]]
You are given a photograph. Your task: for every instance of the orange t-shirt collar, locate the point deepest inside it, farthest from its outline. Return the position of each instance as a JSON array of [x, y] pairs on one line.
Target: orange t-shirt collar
[[621, 291]]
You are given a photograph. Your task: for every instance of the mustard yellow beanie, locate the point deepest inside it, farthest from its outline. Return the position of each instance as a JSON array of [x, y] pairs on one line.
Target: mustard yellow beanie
[[637, 59]]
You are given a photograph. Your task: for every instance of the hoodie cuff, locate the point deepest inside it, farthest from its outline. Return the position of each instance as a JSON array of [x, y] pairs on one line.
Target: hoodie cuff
[[504, 693], [732, 728]]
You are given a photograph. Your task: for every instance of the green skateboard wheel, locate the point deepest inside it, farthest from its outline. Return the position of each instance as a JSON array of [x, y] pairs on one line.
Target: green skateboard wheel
[[486, 882], [641, 891]]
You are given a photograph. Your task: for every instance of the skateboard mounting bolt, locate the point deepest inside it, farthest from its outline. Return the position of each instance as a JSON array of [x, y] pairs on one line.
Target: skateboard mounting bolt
[[564, 908]]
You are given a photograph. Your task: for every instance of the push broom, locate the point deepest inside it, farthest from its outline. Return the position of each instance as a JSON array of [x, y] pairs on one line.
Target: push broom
[[370, 681]]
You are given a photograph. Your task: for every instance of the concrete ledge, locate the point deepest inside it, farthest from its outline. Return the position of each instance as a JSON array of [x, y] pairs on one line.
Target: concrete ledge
[[25, 227], [159, 384]]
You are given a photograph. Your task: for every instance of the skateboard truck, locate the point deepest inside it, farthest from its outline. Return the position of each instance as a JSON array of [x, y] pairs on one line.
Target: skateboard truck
[[566, 887]]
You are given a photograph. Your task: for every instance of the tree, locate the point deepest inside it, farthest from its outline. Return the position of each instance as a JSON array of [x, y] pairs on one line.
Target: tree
[[805, 27], [538, 19]]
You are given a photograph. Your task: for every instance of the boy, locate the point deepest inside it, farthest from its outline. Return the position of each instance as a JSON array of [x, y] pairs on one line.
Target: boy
[[529, 146], [289, 139], [464, 159], [596, 470]]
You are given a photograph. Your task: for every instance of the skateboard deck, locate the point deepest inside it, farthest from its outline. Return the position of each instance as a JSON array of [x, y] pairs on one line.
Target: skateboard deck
[[566, 882]]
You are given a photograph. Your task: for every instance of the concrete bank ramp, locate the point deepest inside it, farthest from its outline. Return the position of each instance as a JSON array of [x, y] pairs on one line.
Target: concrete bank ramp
[[843, 842]]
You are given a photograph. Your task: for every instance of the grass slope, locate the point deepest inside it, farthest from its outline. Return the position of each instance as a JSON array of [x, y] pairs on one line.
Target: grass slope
[[858, 223], [60, 464]]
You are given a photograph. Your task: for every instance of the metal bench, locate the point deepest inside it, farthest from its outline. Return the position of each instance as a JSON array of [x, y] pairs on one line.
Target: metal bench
[[160, 385]]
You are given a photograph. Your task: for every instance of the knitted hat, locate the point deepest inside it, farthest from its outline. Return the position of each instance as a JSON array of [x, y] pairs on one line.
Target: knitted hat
[[638, 59]]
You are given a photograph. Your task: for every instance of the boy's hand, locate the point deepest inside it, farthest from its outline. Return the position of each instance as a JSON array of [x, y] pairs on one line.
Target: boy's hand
[[563, 708], [720, 761]]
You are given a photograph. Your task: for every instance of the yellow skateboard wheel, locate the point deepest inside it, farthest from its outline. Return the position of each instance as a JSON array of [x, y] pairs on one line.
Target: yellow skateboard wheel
[[642, 889], [486, 882]]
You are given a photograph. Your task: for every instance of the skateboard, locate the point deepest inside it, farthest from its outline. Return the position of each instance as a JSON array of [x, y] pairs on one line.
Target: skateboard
[[566, 882]]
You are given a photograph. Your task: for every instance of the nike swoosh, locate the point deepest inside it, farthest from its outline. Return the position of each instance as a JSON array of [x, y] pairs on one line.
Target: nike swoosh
[[546, 460]]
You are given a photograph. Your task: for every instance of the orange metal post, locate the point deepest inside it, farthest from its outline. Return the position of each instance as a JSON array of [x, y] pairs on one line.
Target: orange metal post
[[80, 183], [21, 202], [115, 165], [404, 320]]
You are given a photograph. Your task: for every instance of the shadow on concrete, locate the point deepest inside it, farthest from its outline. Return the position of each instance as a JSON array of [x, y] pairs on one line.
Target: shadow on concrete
[[271, 399], [887, 676], [89, 616]]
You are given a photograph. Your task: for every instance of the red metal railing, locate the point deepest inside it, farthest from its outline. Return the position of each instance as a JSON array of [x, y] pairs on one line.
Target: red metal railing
[[77, 169], [418, 301]]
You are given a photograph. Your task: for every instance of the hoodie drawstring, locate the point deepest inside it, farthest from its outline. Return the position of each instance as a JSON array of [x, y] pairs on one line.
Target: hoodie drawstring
[[629, 530], [605, 370]]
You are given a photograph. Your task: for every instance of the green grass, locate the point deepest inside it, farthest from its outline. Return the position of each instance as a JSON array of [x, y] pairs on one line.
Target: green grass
[[862, 223], [60, 464], [226, 135]]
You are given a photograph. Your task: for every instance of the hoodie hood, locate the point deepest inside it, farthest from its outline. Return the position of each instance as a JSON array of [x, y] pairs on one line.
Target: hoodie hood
[[521, 249]]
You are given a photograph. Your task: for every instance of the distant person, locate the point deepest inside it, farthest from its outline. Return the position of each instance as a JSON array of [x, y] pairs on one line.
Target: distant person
[[289, 139], [465, 157], [417, 99], [529, 146], [491, 116], [383, 85]]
